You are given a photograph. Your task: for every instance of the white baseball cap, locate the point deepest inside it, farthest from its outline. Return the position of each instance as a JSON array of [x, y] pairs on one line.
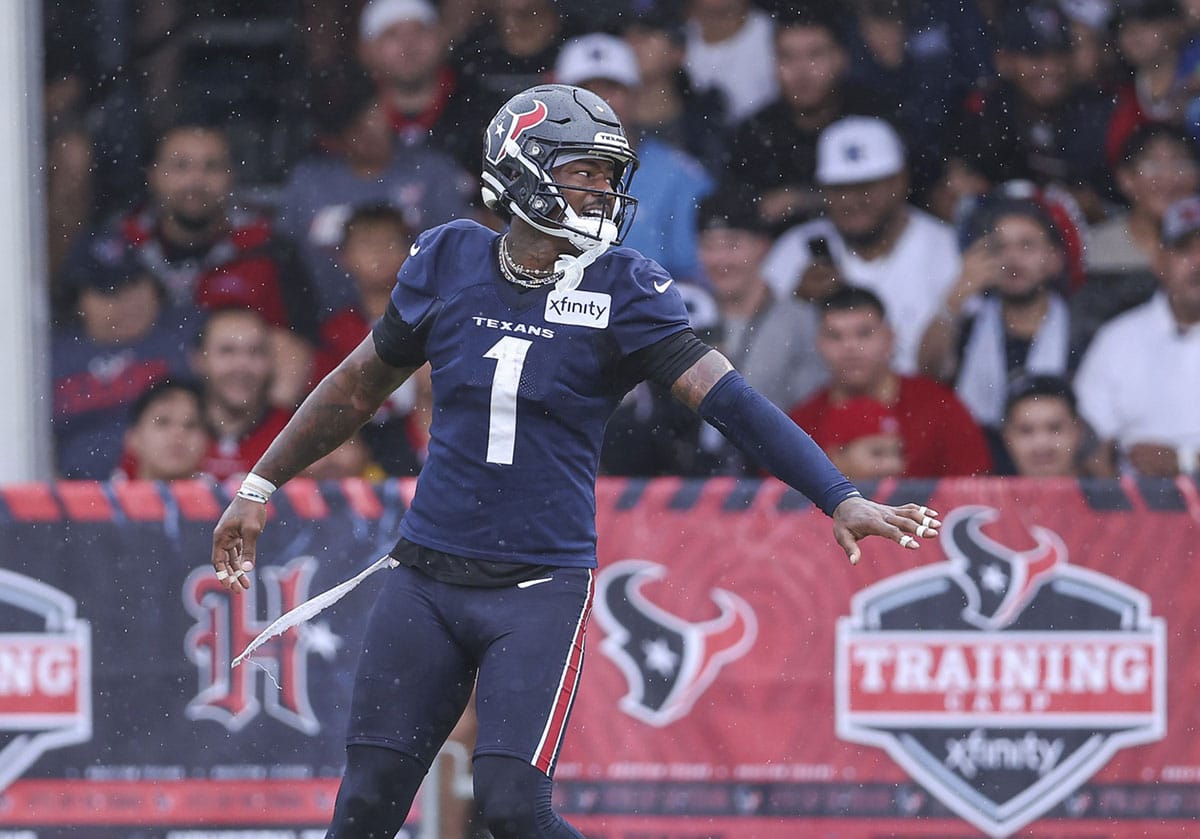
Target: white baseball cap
[[597, 56], [858, 149], [378, 15]]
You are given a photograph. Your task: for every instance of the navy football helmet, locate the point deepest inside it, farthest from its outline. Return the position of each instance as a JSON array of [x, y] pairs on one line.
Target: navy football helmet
[[542, 128]]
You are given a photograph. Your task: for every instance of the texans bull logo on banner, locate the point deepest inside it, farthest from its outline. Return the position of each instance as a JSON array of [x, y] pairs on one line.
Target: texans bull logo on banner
[[668, 662], [45, 673], [1000, 680]]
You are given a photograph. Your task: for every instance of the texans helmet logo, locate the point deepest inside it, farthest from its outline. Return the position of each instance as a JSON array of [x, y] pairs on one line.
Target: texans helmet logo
[[668, 662], [517, 125]]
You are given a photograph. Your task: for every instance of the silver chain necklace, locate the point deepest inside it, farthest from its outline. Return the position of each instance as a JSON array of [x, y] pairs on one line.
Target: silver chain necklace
[[517, 273]]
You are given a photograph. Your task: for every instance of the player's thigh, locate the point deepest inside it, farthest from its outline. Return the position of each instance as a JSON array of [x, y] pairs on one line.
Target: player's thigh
[[530, 671], [413, 678]]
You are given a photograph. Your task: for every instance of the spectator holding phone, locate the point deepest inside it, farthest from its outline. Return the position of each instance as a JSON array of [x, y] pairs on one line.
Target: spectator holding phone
[[820, 279], [872, 237], [1003, 319]]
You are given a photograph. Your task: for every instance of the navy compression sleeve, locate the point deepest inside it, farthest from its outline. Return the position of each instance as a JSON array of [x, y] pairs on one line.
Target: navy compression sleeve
[[768, 435]]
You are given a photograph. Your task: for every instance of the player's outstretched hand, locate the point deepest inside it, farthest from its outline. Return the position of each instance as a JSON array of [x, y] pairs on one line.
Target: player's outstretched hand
[[234, 541], [857, 518]]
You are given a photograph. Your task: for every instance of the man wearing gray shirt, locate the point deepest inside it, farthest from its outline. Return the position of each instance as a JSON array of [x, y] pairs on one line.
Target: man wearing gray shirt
[[771, 338]]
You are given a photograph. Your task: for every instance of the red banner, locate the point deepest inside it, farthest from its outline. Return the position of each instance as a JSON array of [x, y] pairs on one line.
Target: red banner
[[1030, 667], [170, 802], [1031, 672]]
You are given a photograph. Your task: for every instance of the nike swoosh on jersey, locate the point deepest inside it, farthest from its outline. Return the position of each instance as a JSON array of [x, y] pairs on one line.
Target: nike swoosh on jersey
[[661, 287], [414, 249], [530, 583]]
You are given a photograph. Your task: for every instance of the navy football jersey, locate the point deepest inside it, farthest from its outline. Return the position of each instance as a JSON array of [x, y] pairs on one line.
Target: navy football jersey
[[524, 382]]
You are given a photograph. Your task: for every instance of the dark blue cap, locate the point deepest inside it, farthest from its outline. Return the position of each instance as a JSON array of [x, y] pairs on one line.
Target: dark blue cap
[[109, 264]]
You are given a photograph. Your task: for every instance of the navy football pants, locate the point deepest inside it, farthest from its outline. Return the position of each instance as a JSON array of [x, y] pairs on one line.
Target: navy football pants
[[427, 643]]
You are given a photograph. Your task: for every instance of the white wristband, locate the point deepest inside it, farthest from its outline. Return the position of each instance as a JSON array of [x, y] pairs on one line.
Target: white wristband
[[256, 488]]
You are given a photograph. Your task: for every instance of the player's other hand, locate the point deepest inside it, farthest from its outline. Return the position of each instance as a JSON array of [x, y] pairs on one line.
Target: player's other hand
[[857, 518], [234, 542]]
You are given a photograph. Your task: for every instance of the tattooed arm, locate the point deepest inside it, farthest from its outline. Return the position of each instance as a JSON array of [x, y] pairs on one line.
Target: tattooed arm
[[337, 407], [700, 378]]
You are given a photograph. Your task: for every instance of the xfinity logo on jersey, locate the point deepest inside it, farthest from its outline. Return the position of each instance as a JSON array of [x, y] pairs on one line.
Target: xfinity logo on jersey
[[579, 308], [1001, 680], [45, 673], [668, 662], [226, 623]]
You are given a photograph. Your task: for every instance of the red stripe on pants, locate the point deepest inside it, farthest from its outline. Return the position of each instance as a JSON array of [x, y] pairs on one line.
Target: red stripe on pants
[[543, 759]]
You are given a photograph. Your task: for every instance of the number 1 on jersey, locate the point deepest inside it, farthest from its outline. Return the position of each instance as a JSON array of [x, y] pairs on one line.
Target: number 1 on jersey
[[509, 354]]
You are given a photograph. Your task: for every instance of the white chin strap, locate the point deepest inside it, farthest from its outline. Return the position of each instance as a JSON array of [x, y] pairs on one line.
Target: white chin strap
[[573, 266], [592, 237]]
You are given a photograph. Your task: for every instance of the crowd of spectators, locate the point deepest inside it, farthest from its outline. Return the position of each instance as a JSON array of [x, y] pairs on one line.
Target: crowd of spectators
[[948, 237]]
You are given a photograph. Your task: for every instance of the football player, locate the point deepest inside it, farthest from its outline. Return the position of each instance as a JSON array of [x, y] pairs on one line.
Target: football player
[[533, 336]]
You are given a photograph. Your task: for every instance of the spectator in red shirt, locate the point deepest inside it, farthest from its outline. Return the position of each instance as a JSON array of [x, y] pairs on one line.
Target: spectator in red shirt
[[375, 243], [940, 437], [233, 360], [208, 254]]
